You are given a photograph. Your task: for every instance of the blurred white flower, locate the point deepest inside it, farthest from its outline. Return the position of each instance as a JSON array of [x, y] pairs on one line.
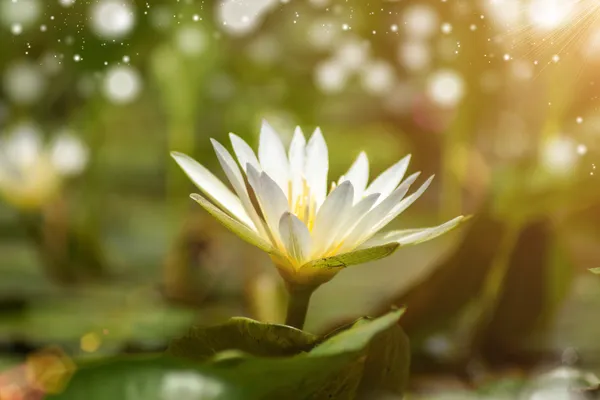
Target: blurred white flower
[[190, 40], [420, 21], [331, 76], [559, 155], [112, 19], [22, 13], [309, 233], [31, 173], [241, 16], [414, 55], [24, 82], [378, 77], [352, 53], [68, 154], [445, 88], [122, 84]]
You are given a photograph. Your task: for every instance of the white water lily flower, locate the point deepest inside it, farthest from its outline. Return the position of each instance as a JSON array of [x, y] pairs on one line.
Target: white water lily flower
[[282, 206], [30, 172]]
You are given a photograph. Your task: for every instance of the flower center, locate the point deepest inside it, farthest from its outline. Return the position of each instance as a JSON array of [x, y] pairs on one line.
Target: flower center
[[303, 205]]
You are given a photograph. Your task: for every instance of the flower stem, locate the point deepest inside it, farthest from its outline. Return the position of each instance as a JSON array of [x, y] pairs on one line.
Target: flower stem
[[299, 298]]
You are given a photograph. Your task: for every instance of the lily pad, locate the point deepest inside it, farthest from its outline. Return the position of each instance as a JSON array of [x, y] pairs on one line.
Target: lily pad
[[346, 365], [242, 334]]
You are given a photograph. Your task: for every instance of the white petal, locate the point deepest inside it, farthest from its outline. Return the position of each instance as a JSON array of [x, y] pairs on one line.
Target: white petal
[[212, 187], [413, 236], [237, 181], [354, 257], [403, 205], [297, 158], [364, 229], [358, 174], [295, 237], [317, 166], [254, 179], [271, 154], [387, 181], [273, 202], [354, 216], [236, 227], [244, 152], [331, 215]]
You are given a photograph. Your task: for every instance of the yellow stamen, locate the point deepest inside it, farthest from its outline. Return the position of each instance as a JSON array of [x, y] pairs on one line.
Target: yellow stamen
[[304, 206]]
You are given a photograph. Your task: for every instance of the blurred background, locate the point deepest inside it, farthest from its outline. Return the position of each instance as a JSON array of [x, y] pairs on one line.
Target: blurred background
[[102, 252]]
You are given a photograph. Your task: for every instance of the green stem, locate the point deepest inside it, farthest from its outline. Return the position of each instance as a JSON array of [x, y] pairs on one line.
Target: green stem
[[299, 298]]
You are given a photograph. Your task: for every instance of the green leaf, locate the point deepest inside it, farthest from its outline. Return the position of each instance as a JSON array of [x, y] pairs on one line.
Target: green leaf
[[341, 366], [147, 378], [595, 270], [242, 334], [385, 371], [233, 225], [354, 257]]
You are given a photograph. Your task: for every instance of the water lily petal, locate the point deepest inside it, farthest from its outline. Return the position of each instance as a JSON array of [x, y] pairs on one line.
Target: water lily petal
[[273, 202], [402, 206], [354, 257], [297, 155], [352, 218], [317, 166], [413, 236], [330, 215], [272, 156], [212, 187], [364, 229], [358, 174], [237, 181], [295, 237], [389, 179], [244, 152], [233, 225]]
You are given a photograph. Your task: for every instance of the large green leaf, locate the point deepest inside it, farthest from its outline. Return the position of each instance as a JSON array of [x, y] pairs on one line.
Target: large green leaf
[[146, 378], [242, 334], [342, 366], [386, 368]]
